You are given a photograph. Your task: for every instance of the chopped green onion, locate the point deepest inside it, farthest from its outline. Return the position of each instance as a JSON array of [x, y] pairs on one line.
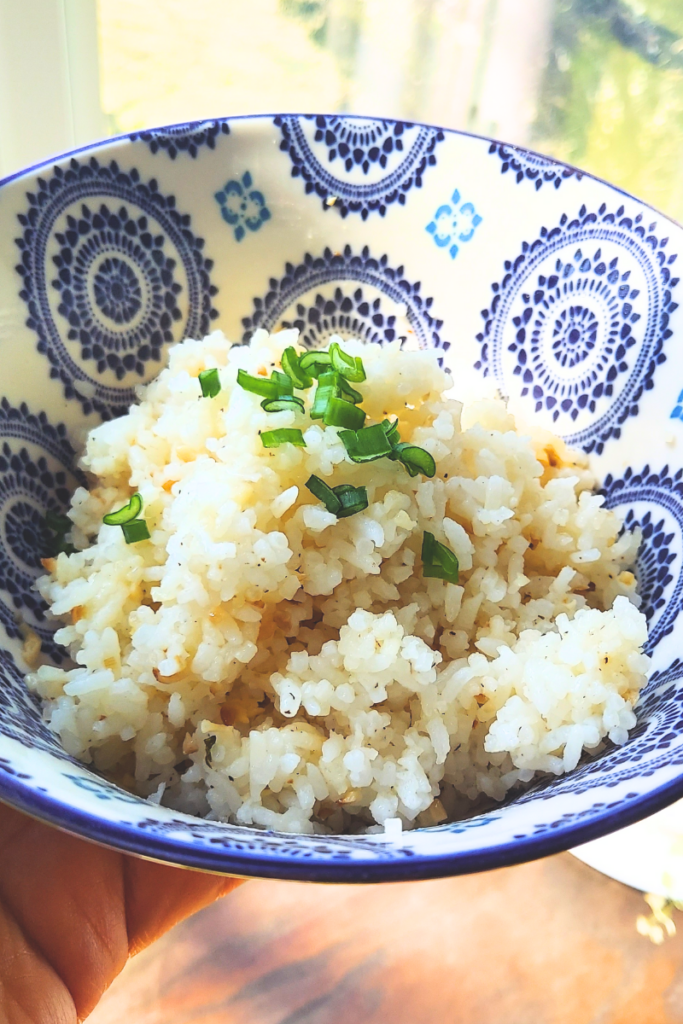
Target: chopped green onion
[[314, 363], [350, 367], [391, 430], [59, 526], [339, 413], [57, 523], [126, 514], [267, 387], [332, 385], [438, 561], [209, 744], [284, 382], [348, 391], [286, 435], [367, 444], [320, 490], [209, 382], [415, 459], [327, 388], [135, 531], [282, 402], [353, 500], [291, 366], [342, 501]]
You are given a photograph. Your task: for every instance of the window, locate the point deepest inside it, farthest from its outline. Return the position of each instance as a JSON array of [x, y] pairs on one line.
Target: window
[[599, 83]]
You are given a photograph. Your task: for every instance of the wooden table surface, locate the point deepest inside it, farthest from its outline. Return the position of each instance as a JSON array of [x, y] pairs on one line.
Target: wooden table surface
[[552, 942]]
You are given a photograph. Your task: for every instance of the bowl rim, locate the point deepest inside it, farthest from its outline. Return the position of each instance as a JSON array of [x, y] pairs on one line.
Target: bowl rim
[[229, 118], [126, 838]]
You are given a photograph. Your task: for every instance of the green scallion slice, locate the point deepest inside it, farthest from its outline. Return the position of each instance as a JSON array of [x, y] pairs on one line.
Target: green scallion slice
[[126, 514], [438, 561], [57, 523], [347, 391], [292, 367], [264, 386], [391, 430], [339, 413], [275, 386], [283, 402], [327, 388], [332, 385], [314, 363], [286, 435], [135, 531], [352, 499], [59, 526], [415, 459], [350, 367], [320, 490], [284, 382], [367, 444], [209, 382]]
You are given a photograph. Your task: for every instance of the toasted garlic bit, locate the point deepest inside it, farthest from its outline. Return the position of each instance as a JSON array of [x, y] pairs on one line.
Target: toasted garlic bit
[[31, 648], [189, 744]]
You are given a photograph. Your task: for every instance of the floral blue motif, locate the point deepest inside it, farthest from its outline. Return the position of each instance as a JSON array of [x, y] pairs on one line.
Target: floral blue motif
[[345, 293], [358, 165], [677, 412], [454, 222], [529, 166], [130, 277], [242, 206], [183, 138], [577, 325]]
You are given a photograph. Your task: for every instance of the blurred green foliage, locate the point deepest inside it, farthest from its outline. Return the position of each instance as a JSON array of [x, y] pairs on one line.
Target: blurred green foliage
[[612, 96], [610, 99], [314, 13]]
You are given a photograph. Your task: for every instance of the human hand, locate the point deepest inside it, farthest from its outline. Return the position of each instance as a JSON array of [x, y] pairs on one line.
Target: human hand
[[71, 913]]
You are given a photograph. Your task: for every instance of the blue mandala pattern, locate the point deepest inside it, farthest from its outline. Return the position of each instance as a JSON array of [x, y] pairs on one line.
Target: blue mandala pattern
[[21, 717], [343, 293], [526, 165], [129, 278], [36, 476], [183, 138], [578, 323], [653, 501], [358, 165]]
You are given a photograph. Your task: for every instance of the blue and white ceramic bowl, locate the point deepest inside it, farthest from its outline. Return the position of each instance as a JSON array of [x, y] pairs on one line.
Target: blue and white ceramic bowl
[[560, 289]]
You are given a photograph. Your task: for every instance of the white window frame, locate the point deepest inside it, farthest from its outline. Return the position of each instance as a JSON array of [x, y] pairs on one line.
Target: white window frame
[[49, 80]]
